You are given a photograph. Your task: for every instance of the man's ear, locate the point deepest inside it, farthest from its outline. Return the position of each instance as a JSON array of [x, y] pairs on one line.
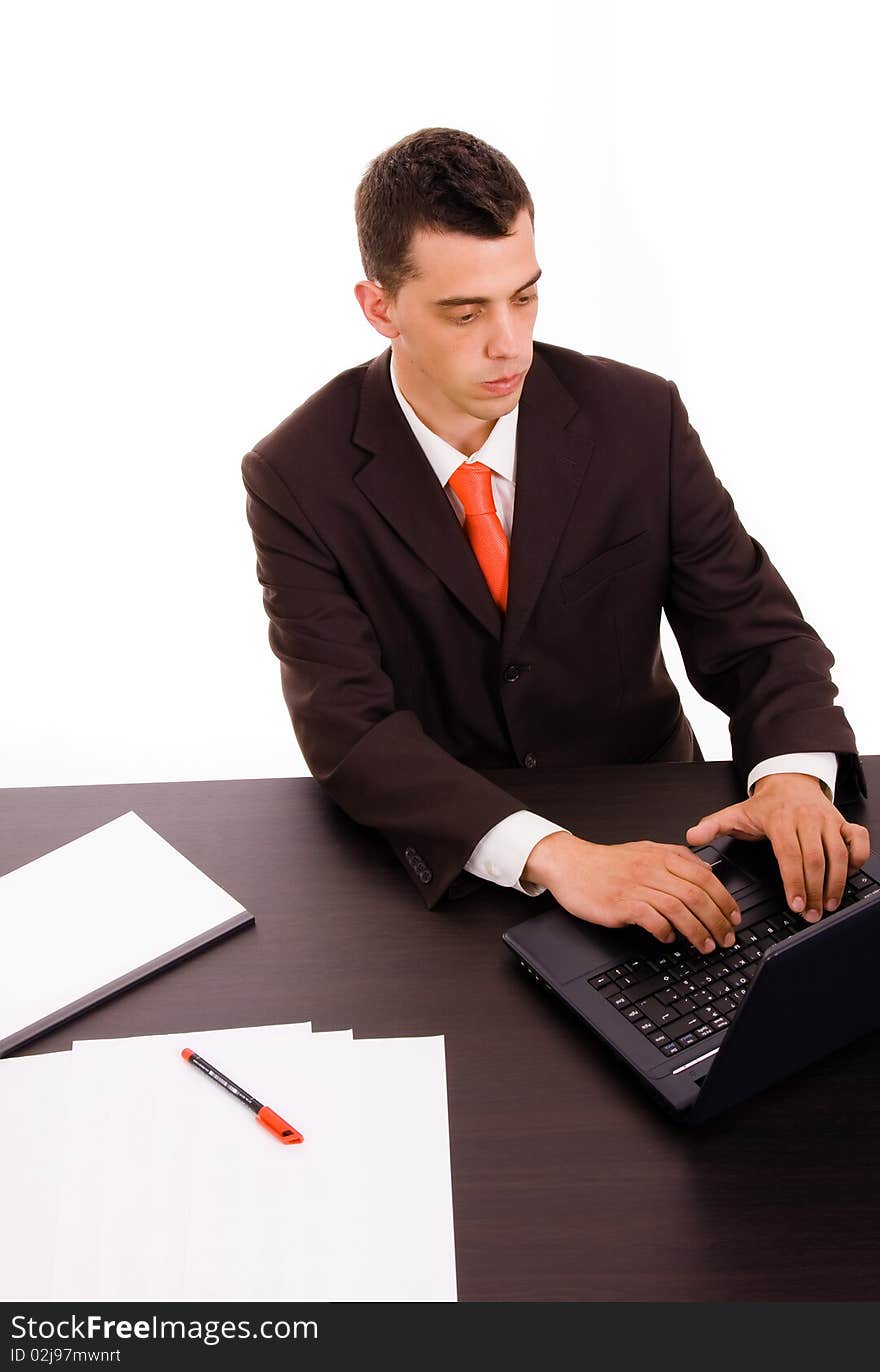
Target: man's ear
[[375, 306]]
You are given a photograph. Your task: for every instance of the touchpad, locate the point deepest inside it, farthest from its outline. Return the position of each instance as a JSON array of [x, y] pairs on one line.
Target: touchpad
[[567, 947]]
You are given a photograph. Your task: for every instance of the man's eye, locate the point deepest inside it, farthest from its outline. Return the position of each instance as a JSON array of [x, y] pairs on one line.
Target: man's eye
[[523, 300]]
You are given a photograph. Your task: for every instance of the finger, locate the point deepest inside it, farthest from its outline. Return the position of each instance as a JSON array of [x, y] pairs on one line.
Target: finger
[[683, 919], [734, 820], [809, 834], [858, 841], [836, 857], [789, 858], [705, 829], [702, 875], [651, 919], [703, 894]]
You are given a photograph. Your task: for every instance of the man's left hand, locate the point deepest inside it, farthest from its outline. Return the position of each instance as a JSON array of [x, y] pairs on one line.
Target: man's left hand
[[815, 846]]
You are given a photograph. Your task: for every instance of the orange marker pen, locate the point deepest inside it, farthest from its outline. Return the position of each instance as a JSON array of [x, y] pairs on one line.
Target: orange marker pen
[[274, 1123]]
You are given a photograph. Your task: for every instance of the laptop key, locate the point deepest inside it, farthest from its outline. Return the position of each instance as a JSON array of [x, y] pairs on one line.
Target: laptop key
[[670, 1049], [660, 1014], [598, 982], [640, 967], [659, 1037], [659, 982], [686, 1040], [685, 1025], [645, 1026], [861, 881], [765, 927]]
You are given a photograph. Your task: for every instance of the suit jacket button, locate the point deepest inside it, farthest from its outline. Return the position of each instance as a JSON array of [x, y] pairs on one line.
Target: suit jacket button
[[425, 874], [511, 673], [530, 760]]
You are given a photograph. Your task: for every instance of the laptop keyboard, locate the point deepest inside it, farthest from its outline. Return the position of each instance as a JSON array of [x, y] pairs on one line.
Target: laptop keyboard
[[680, 997]]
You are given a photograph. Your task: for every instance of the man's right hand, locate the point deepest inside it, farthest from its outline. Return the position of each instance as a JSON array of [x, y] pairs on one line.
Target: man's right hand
[[664, 887]]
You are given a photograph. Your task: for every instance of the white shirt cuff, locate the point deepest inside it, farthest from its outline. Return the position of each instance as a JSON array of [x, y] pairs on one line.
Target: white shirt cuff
[[503, 852], [823, 766]]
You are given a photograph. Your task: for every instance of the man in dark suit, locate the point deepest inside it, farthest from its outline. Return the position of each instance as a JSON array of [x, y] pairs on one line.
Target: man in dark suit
[[426, 633]]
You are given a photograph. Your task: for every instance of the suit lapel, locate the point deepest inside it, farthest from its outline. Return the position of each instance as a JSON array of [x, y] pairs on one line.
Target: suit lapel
[[398, 480], [554, 448]]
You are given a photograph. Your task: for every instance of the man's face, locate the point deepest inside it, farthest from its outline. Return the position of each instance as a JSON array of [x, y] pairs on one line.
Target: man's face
[[467, 319]]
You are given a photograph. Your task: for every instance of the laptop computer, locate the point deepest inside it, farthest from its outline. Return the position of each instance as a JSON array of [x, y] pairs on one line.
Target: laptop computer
[[705, 1031]]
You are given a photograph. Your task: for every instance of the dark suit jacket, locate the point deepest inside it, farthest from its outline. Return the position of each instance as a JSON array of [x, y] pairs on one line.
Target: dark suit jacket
[[401, 675]]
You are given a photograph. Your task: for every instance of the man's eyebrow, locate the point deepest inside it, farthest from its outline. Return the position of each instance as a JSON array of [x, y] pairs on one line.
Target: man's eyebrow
[[482, 299]]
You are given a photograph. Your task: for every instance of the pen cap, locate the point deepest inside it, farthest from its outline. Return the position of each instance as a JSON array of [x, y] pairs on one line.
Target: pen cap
[[279, 1127]]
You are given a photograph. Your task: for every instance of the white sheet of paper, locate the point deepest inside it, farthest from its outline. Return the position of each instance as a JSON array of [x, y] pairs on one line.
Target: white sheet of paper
[[93, 910], [33, 1110], [141, 1124], [273, 1222], [404, 1219]]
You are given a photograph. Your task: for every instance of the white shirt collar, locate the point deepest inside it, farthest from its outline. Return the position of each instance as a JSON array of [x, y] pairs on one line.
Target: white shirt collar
[[498, 452]]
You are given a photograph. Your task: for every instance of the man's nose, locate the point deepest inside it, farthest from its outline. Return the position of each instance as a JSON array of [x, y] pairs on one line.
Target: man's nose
[[504, 340]]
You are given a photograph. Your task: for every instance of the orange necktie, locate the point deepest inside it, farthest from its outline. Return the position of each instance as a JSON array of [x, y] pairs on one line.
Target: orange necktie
[[472, 483]]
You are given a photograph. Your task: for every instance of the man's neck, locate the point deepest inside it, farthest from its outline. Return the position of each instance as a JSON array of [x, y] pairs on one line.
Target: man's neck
[[463, 432]]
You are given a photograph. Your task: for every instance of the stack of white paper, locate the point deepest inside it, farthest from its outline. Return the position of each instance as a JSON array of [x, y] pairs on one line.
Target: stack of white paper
[[128, 1175], [97, 914]]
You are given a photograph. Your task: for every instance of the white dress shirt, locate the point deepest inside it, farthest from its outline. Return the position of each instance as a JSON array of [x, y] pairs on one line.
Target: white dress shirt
[[502, 853]]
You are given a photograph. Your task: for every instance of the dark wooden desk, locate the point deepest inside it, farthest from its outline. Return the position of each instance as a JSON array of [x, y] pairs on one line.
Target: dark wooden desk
[[568, 1183]]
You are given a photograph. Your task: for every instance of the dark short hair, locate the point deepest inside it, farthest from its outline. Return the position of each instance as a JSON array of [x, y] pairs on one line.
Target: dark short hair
[[437, 179]]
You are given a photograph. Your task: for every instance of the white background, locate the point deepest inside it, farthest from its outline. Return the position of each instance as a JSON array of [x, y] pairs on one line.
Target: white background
[[179, 256]]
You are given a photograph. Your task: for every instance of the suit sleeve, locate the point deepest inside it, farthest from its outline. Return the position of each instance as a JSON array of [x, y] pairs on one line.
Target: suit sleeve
[[744, 643], [374, 760]]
